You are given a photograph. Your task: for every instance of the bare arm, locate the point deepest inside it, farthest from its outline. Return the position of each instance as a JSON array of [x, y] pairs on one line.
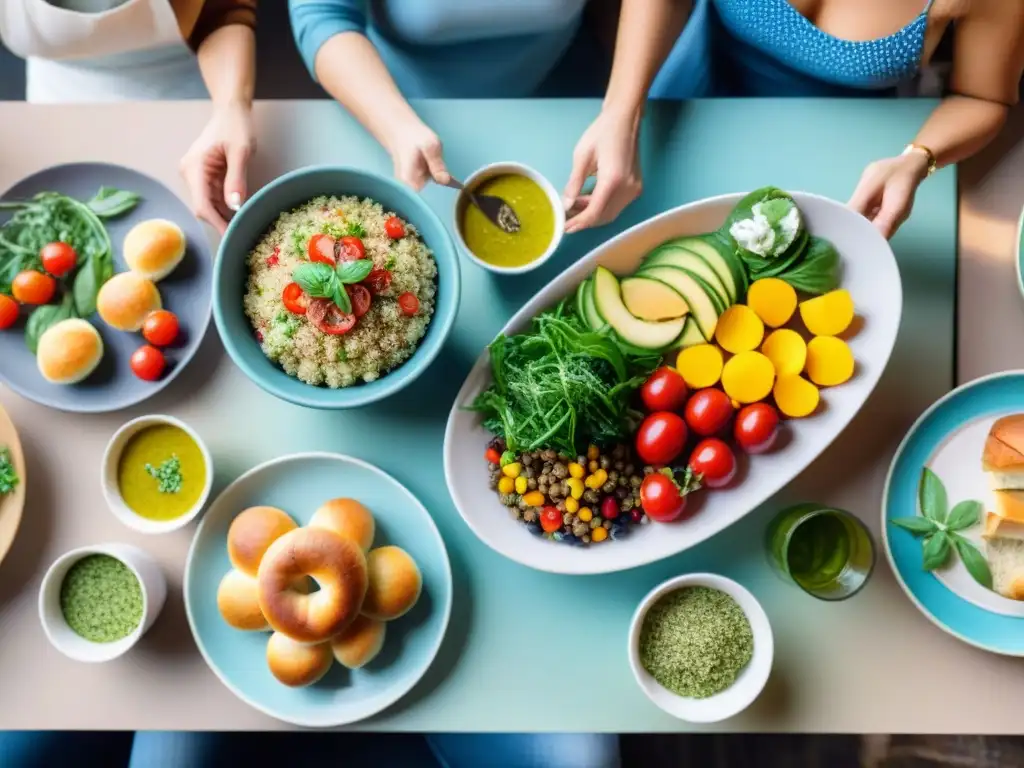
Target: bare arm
[[227, 59]]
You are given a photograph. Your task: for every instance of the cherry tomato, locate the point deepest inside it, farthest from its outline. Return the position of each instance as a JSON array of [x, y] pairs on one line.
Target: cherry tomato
[[714, 462], [394, 228], [58, 258], [550, 519], [160, 328], [148, 363], [409, 304], [360, 298], [708, 411], [661, 438], [492, 456], [350, 248], [321, 248], [378, 281], [32, 287], [662, 498], [327, 317], [757, 427], [8, 311], [664, 390], [295, 299]]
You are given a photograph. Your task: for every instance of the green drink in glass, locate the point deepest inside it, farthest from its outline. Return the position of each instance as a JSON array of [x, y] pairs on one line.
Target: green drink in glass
[[826, 552]]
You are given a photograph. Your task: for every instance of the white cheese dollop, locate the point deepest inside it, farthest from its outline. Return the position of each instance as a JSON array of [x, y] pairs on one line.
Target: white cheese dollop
[[755, 235]]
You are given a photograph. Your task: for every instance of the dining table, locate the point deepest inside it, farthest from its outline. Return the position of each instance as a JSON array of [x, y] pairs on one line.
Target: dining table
[[527, 650]]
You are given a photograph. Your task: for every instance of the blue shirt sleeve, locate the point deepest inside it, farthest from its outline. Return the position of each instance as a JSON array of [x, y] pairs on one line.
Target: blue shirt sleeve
[[314, 22]]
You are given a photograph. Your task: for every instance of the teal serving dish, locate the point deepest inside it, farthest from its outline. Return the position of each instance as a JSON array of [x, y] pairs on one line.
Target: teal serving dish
[[252, 222]]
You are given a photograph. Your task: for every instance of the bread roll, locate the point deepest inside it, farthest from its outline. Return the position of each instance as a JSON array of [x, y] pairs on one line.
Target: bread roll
[[152, 249], [252, 532], [1007, 521], [337, 565], [69, 351], [125, 299], [347, 518], [1003, 455], [238, 602], [395, 583], [296, 664], [360, 643], [1006, 561]]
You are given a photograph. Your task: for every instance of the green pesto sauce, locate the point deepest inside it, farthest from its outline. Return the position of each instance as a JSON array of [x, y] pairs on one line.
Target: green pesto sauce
[[101, 599]]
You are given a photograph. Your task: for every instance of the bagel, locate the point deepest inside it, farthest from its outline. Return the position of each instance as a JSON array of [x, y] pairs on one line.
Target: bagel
[[251, 532], [295, 664], [395, 583], [360, 643], [337, 565], [347, 518]]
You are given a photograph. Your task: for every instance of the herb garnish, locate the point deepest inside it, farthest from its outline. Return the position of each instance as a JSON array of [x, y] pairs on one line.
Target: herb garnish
[[390, 263], [355, 229], [561, 385], [8, 475], [321, 281], [940, 528], [168, 475]]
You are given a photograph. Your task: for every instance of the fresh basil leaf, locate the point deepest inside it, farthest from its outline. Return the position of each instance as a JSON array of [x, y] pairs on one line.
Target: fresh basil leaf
[[936, 550], [916, 525], [355, 229], [316, 279], [818, 269], [973, 561], [341, 298], [110, 202], [86, 288], [932, 496], [964, 515], [354, 271], [45, 317]]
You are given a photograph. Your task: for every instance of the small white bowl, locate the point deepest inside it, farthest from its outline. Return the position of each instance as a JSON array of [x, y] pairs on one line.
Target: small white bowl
[[501, 169], [112, 493], [749, 683], [73, 645]]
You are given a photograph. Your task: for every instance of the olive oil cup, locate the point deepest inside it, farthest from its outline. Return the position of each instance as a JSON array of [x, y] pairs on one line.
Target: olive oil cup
[[151, 582], [751, 679], [490, 173], [168, 482]]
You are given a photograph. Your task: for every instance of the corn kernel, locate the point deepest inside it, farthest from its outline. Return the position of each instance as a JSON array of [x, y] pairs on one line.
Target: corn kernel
[[506, 485], [512, 470], [585, 514], [593, 452], [520, 485], [598, 534], [576, 487], [571, 505], [576, 470], [534, 499]]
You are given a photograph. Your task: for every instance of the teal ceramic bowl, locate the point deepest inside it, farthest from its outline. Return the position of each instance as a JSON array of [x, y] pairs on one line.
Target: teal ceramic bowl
[[299, 484], [255, 218]]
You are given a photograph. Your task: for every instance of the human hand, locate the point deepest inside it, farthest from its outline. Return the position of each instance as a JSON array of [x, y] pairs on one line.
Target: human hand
[[417, 155], [214, 168], [609, 150], [885, 193]]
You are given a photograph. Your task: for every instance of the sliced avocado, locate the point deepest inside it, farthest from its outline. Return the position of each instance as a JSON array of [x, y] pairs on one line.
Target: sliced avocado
[[581, 299], [676, 256], [650, 299], [698, 294], [712, 254], [590, 313], [726, 247], [690, 337], [633, 331]]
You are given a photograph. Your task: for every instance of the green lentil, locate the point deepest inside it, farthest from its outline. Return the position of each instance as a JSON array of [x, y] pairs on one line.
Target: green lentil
[[695, 641], [101, 599]]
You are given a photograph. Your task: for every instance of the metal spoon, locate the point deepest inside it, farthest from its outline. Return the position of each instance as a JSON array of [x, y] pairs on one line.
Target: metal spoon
[[494, 208]]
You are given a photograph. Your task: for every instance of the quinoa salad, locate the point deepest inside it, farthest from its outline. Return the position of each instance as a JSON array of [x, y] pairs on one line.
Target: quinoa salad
[[340, 291]]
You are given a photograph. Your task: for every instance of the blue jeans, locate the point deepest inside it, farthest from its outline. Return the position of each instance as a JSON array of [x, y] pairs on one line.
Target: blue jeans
[[168, 749]]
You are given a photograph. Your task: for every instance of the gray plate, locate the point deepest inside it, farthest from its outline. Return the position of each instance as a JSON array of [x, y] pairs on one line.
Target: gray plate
[[186, 292]]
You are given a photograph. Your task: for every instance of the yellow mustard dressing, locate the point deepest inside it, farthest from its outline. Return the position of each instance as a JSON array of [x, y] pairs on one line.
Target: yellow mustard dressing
[[490, 243], [141, 490]]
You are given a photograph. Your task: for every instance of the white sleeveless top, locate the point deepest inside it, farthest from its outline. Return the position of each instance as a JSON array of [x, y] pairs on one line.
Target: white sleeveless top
[[89, 51]]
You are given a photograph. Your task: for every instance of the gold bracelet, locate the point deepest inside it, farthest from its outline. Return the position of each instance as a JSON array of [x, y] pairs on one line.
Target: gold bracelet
[[912, 147]]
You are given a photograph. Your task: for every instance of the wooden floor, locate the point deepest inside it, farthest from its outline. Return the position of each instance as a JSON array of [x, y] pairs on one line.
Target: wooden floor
[[767, 751]]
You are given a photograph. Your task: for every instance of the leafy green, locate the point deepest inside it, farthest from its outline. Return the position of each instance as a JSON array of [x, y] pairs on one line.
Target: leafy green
[[561, 385], [964, 515], [44, 317], [8, 476], [110, 202], [322, 281], [936, 550], [817, 271], [931, 494], [918, 526], [973, 561], [355, 229]]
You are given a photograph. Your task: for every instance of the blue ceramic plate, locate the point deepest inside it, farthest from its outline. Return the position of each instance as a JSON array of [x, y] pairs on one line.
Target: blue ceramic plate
[[961, 417], [258, 215], [298, 484], [186, 292]]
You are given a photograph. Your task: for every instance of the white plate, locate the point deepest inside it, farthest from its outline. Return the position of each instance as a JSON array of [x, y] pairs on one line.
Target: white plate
[[871, 276]]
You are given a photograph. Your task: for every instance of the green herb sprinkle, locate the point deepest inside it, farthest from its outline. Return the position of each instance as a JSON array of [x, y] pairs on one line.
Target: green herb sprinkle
[[168, 475], [101, 599]]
